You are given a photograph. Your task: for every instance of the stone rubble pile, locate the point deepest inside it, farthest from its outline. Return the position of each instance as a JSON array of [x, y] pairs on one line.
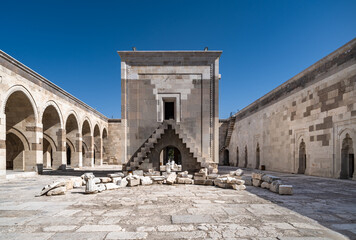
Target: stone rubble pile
[[234, 180], [273, 183]]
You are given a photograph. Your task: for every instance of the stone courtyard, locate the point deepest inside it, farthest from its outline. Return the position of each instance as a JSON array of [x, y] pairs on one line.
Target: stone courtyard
[[321, 208]]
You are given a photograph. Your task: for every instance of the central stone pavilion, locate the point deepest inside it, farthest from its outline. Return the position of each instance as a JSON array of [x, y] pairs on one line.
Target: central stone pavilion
[[169, 109]]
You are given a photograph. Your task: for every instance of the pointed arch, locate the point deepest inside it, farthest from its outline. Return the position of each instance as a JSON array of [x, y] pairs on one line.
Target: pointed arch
[[58, 110]]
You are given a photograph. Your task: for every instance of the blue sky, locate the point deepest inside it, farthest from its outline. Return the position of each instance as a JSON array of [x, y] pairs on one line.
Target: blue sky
[[264, 43]]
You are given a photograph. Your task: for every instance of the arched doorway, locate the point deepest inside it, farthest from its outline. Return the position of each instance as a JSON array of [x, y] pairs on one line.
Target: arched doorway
[[105, 142], [302, 158], [15, 152], [237, 156], [20, 116], [347, 158], [246, 158], [226, 157], [52, 130], [69, 156], [88, 141], [257, 156], [47, 152], [170, 153]]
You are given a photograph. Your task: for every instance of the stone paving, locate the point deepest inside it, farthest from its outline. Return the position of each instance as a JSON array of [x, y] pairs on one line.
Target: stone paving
[[320, 208]]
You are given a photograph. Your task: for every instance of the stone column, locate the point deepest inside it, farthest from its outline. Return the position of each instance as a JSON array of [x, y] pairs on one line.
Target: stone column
[[77, 160], [2, 145], [34, 156], [59, 154], [89, 155], [99, 154]]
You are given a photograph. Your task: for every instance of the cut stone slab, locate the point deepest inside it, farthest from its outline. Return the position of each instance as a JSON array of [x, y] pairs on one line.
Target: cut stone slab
[[146, 181], [238, 187], [257, 175], [100, 187], [192, 219], [122, 183], [53, 185], [285, 189], [105, 180], [171, 179], [77, 182], [138, 172], [248, 180], [127, 235], [111, 186], [114, 175], [265, 185], [256, 182], [274, 187], [57, 191], [100, 228], [60, 228], [270, 178], [133, 182]]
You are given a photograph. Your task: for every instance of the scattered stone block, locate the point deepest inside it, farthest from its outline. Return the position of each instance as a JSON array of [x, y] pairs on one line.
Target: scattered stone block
[[238, 187], [110, 186], [132, 182], [100, 187], [265, 185], [116, 180], [51, 186], [122, 183], [146, 181], [153, 173], [248, 180], [158, 178], [257, 175], [171, 178], [105, 179], [256, 182], [138, 172], [57, 191], [212, 176], [274, 187], [97, 180], [162, 168], [182, 174], [209, 182], [77, 182], [239, 172], [285, 189], [69, 184], [199, 182], [90, 186], [269, 178], [115, 175]]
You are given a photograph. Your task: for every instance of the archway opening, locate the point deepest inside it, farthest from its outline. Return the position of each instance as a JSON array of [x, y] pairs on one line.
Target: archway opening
[[169, 154], [69, 156], [347, 158], [302, 157], [257, 156], [237, 156], [72, 135], [88, 141], [105, 142], [15, 152], [226, 157], [246, 158], [20, 117]]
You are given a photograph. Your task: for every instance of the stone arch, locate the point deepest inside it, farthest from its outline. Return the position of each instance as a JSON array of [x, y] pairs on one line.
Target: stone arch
[[170, 153], [73, 135], [302, 157], [20, 88], [21, 117], [55, 106], [246, 157], [170, 138], [52, 123], [104, 137], [88, 141], [237, 156], [15, 150], [258, 152], [49, 146], [347, 158], [98, 144]]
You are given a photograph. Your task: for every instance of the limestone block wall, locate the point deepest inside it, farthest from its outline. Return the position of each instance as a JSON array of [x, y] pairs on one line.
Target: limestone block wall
[[34, 110], [190, 79], [315, 111], [114, 150]]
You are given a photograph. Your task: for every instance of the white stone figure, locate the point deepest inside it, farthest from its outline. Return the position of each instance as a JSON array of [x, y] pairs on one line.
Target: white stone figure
[[172, 164], [168, 167]]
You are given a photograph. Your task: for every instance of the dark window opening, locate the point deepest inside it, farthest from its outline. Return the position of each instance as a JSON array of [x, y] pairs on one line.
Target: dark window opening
[[168, 110]]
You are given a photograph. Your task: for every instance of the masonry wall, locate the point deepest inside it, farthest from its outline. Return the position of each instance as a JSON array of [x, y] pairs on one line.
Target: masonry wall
[[114, 150], [317, 107]]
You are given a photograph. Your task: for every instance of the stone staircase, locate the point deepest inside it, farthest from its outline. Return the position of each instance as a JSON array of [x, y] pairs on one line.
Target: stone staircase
[[140, 160], [229, 132]]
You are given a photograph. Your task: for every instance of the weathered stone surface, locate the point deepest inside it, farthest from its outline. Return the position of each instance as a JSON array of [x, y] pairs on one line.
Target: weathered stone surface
[[132, 182], [122, 182], [100, 187], [115, 175], [138, 172], [176, 219], [146, 181], [158, 178], [274, 187], [285, 189], [57, 191], [270, 178], [171, 178], [209, 182], [77, 182], [52, 186], [90, 186], [116, 180], [96, 180], [111, 186], [265, 185], [126, 235], [248, 180], [257, 175], [212, 176], [238, 187], [105, 179], [256, 182]]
